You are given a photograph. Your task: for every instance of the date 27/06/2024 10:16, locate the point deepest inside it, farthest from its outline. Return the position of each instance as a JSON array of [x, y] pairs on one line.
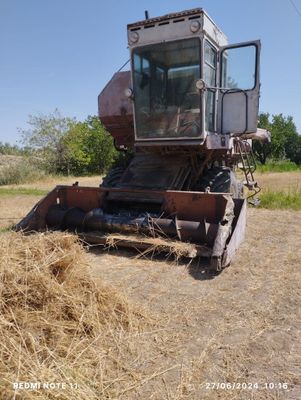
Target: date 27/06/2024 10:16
[[246, 386]]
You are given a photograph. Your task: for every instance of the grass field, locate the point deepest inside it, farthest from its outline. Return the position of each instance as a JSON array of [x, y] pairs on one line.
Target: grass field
[[179, 330], [280, 181], [280, 190], [17, 200]]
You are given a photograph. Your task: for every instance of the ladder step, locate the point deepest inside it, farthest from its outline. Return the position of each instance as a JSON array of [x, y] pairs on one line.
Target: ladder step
[[250, 184], [255, 202], [241, 166]]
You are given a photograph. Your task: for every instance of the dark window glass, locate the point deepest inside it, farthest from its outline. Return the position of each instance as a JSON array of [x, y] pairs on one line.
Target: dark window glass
[[210, 79], [167, 103], [239, 67]]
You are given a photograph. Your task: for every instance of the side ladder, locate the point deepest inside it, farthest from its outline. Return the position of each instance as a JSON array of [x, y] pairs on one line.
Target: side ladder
[[247, 164]]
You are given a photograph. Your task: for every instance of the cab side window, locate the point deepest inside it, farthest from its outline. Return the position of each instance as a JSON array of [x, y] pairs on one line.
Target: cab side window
[[210, 57]]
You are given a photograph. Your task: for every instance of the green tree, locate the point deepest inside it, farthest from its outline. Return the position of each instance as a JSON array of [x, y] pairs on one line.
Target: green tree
[[45, 138], [285, 141], [282, 132], [100, 146], [90, 148], [292, 141], [296, 154], [263, 150], [68, 146]]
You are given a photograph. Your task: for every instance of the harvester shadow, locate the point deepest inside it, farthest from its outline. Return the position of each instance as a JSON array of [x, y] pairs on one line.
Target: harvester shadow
[[201, 271], [197, 268]]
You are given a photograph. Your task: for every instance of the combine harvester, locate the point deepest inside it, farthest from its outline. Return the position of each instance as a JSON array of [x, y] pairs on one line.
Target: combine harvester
[[188, 112]]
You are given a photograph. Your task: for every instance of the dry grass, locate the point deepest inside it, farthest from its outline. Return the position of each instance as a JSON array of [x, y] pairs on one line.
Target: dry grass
[[240, 326], [280, 181], [9, 160], [171, 248], [18, 169], [14, 208], [58, 325], [49, 182]]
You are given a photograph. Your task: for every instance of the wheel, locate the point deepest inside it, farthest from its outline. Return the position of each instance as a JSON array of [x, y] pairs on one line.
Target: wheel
[[220, 180], [113, 177]]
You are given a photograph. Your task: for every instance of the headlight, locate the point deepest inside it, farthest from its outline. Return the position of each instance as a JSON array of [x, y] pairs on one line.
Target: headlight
[[128, 92], [133, 37], [195, 26], [200, 84]]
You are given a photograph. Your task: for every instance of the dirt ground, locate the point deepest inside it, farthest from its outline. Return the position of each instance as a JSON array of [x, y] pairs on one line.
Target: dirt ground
[[240, 327], [13, 208]]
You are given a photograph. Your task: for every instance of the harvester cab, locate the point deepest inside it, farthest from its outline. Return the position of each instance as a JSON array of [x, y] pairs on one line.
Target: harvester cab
[[187, 112], [185, 84]]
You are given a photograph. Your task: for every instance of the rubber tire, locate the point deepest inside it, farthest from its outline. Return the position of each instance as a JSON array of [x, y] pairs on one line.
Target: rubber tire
[[113, 177], [221, 180]]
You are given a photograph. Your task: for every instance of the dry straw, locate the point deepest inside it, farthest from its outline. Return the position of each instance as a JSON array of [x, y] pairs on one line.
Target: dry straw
[[154, 245], [57, 324]]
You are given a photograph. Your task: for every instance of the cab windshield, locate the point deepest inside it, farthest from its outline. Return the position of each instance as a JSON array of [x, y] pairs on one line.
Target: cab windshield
[[167, 103]]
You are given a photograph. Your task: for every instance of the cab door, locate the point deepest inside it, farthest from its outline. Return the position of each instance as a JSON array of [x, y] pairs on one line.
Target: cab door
[[238, 100]]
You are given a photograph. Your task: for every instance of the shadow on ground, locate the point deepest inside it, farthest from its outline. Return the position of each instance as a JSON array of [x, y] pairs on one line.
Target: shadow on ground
[[198, 269]]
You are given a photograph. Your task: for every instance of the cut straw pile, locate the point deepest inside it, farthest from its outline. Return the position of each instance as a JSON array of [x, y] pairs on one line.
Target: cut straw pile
[[154, 245], [57, 324]]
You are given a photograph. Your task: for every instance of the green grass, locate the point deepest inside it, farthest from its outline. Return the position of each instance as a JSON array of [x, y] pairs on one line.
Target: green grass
[[281, 200], [278, 166], [6, 229], [22, 191]]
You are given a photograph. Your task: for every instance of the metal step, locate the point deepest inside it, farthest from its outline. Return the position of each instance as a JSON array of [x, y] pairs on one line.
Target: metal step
[[246, 167], [250, 184]]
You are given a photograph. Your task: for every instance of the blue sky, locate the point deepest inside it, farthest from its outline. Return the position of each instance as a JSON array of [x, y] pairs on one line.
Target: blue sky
[[61, 53]]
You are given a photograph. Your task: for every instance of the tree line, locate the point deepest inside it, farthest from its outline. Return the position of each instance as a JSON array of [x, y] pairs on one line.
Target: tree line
[[285, 141], [63, 145], [66, 146]]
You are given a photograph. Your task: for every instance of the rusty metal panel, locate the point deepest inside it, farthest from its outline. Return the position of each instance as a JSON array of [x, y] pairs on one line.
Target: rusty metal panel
[[195, 206], [116, 110], [85, 198], [238, 233], [169, 27], [166, 17], [192, 206], [194, 217], [36, 219]]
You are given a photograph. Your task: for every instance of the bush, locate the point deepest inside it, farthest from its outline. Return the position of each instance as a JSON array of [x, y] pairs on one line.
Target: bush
[[66, 146], [21, 172], [278, 166], [89, 148], [285, 140]]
